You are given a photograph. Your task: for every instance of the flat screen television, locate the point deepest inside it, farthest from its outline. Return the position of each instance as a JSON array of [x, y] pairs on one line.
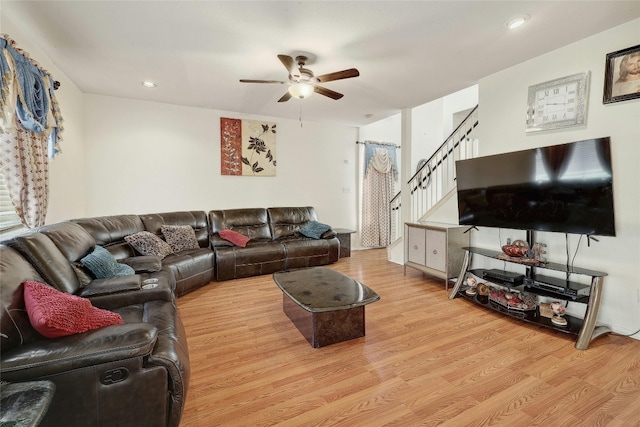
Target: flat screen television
[[564, 188]]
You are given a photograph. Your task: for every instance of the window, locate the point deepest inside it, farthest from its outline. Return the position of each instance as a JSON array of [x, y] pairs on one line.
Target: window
[[8, 217]]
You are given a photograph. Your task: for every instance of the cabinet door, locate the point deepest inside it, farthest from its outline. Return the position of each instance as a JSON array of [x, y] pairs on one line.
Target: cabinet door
[[436, 250], [416, 244]]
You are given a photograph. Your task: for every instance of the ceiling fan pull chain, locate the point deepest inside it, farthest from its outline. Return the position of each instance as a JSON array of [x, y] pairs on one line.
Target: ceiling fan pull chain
[[300, 115]]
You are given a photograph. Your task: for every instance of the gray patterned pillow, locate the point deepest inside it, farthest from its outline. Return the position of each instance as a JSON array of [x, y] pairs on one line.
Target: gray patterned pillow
[[180, 237], [148, 244]]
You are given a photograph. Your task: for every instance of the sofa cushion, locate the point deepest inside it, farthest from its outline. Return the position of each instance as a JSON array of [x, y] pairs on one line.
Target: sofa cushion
[[197, 220], [103, 265], [73, 241], [52, 265], [251, 222], [110, 286], [180, 237], [287, 221], [259, 257], [314, 229], [234, 237], [148, 243], [109, 232], [302, 252], [55, 314]]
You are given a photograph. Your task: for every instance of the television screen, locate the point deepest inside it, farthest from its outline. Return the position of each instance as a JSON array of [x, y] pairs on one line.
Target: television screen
[[564, 188]]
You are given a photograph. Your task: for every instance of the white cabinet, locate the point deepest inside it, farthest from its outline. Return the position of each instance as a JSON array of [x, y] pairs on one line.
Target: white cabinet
[[435, 248], [416, 238]]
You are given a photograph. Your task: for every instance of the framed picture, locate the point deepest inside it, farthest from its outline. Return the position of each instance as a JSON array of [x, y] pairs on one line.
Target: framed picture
[[558, 103], [247, 147], [622, 75]]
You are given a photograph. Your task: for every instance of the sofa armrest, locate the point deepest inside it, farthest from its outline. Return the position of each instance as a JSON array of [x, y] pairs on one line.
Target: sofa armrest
[[329, 234], [112, 285], [143, 263], [122, 291], [47, 357], [217, 242]]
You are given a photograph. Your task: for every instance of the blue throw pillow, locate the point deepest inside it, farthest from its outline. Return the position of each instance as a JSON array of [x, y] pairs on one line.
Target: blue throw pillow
[[103, 265], [314, 229]]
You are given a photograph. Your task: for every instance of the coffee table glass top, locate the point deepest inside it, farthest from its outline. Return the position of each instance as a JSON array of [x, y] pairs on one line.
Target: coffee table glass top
[[319, 289]]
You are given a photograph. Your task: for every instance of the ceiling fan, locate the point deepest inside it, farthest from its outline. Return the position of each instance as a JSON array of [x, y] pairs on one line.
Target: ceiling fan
[[302, 82]]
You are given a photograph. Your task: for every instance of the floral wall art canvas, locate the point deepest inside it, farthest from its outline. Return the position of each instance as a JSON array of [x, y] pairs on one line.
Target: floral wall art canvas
[[247, 147]]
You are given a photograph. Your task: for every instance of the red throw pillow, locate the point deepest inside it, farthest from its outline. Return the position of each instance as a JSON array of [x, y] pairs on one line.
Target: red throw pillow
[[56, 314], [234, 237]]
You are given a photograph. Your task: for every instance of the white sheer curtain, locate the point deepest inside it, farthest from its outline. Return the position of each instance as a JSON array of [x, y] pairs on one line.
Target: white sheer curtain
[[25, 166], [30, 124], [380, 171]]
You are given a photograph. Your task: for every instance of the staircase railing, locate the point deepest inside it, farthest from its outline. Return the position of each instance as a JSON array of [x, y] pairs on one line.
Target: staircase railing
[[436, 177]]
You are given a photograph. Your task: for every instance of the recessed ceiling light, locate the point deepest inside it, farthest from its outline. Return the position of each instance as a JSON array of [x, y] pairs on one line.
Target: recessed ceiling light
[[149, 84], [516, 21]]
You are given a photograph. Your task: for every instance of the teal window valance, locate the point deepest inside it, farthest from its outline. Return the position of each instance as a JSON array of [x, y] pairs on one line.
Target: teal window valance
[[388, 151], [28, 95]]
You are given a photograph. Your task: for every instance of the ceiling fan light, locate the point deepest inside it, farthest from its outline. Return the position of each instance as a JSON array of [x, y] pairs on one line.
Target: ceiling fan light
[[301, 90]]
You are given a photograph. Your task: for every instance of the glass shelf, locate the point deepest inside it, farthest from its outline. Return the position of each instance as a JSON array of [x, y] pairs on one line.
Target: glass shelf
[[549, 265], [573, 327]]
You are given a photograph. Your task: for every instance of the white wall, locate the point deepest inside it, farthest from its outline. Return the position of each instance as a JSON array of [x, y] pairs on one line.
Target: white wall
[[433, 122], [427, 131], [146, 157], [66, 171], [503, 101], [459, 101]]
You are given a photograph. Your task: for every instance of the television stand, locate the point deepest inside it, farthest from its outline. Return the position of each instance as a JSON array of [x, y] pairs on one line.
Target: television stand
[[585, 329]]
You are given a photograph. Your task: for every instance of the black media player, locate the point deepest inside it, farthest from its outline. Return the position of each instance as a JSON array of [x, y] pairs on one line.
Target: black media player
[[560, 287], [505, 276]]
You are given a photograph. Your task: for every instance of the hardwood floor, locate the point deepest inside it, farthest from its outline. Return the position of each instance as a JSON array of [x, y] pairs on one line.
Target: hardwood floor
[[425, 360]]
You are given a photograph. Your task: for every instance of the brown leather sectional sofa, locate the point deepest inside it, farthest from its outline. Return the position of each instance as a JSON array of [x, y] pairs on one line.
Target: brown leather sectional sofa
[[136, 373]]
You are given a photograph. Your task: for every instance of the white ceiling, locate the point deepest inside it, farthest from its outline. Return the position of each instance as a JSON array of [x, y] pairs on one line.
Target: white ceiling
[[408, 52]]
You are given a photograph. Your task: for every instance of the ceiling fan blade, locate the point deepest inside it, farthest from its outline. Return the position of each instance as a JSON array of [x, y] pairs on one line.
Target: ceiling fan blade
[[327, 92], [290, 64], [285, 97], [339, 75], [261, 81]]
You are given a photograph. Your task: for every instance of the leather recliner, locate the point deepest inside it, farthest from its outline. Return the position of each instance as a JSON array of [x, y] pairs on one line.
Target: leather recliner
[[134, 374]]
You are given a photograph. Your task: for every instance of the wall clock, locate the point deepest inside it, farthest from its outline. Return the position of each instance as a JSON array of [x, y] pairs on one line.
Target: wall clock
[[558, 103]]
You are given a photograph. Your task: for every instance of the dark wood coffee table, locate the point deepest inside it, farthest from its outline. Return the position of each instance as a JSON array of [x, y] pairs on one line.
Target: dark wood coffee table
[[326, 306]]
